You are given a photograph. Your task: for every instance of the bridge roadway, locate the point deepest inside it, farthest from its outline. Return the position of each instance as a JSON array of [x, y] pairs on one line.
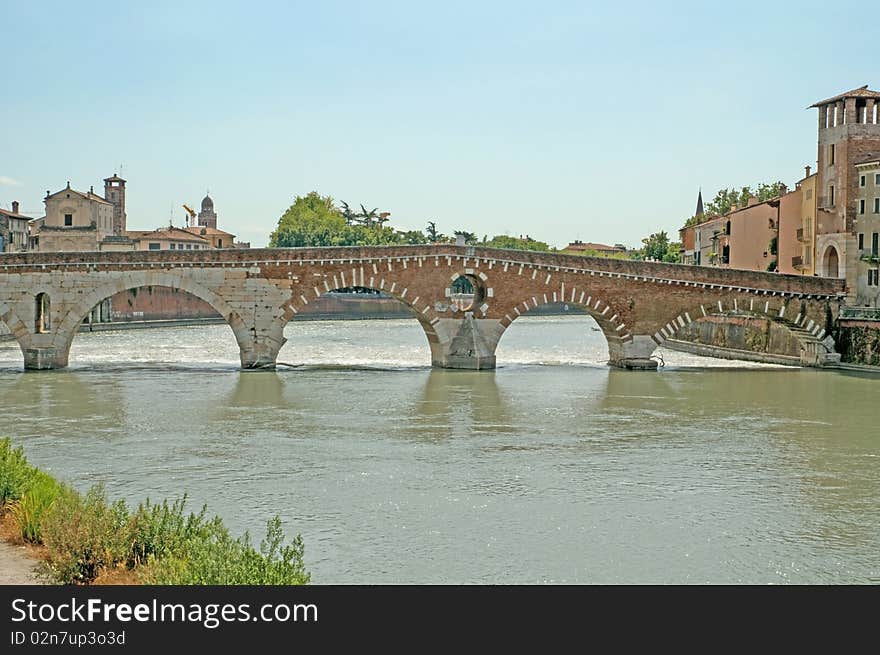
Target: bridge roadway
[[638, 305]]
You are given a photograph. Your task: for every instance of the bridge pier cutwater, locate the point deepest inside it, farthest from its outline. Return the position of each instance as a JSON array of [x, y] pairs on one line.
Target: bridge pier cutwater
[[463, 297]]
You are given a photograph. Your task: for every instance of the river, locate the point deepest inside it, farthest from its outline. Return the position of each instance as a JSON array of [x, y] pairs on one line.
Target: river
[[552, 469]]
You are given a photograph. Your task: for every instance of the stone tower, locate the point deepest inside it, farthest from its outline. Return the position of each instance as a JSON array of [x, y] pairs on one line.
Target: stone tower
[[207, 217], [114, 193], [849, 132]]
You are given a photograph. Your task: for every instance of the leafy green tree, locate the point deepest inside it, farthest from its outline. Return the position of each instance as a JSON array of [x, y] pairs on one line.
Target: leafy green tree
[[412, 237], [515, 243], [312, 220], [469, 237], [655, 246]]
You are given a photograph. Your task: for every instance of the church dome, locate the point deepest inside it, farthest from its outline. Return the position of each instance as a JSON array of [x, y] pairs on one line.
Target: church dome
[[207, 204]]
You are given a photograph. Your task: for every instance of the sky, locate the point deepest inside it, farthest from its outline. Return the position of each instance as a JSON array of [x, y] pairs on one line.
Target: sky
[[560, 120]]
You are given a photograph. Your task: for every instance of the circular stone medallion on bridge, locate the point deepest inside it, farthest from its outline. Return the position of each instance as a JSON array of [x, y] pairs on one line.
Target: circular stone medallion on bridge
[[464, 293]]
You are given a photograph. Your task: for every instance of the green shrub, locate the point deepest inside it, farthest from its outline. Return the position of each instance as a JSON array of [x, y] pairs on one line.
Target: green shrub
[[84, 534], [221, 560], [14, 471], [160, 530], [41, 491]]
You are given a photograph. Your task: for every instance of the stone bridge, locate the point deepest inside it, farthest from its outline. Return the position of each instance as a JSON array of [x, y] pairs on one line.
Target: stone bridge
[[463, 297]]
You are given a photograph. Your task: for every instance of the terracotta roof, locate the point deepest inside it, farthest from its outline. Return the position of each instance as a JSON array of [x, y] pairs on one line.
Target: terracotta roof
[[207, 231], [88, 196], [861, 92], [6, 212], [115, 178], [170, 233], [868, 158]]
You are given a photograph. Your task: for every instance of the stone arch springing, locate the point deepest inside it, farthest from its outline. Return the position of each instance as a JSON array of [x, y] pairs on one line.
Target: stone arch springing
[[69, 323], [16, 326]]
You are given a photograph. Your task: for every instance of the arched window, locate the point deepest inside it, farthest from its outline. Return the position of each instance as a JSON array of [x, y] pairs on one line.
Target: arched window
[[42, 308]]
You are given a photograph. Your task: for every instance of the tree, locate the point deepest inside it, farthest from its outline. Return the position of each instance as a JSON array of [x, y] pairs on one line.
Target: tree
[[312, 220], [515, 243], [728, 199], [655, 246], [469, 237], [349, 216]]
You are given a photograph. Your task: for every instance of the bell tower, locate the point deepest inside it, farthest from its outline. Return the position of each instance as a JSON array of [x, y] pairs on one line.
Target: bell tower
[[207, 217], [114, 193]]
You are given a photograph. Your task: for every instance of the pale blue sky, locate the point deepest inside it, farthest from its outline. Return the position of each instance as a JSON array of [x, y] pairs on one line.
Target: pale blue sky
[[563, 120]]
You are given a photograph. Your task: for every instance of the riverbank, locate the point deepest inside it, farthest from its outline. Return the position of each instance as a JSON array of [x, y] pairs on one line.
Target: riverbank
[[76, 538], [18, 560]]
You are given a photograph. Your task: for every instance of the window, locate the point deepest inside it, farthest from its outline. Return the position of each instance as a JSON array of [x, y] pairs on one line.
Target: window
[[876, 179], [831, 196], [154, 246], [877, 205], [173, 246], [68, 219], [861, 241], [219, 243], [189, 246], [831, 154], [862, 180], [873, 276], [862, 206], [874, 244]]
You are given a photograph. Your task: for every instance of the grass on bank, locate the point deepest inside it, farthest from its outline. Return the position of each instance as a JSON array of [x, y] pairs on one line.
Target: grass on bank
[[85, 535]]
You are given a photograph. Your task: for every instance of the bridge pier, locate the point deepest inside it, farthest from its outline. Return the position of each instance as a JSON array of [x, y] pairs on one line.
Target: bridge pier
[[467, 343], [634, 355], [259, 346], [44, 359]]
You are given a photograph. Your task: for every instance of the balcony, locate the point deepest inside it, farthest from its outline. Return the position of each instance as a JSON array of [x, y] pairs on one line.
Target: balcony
[[797, 262], [804, 235]]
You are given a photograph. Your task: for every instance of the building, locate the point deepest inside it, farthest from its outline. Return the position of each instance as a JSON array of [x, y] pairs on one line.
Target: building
[[867, 263], [687, 234], [79, 222], [217, 238], [167, 238], [848, 140], [114, 193], [805, 262], [208, 217], [599, 248], [13, 230], [74, 221], [712, 242]]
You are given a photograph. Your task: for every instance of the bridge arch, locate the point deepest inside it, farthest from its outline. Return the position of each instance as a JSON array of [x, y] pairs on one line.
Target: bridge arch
[[606, 316], [74, 314], [299, 301], [793, 315]]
